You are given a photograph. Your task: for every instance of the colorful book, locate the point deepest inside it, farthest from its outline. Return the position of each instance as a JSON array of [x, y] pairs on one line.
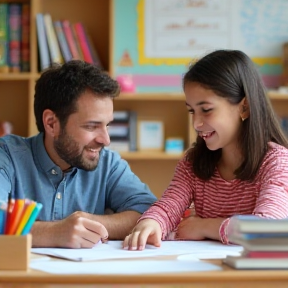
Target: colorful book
[[265, 254], [14, 18], [54, 49], [70, 39], [62, 41], [77, 41], [4, 39], [42, 42], [25, 38], [82, 38]]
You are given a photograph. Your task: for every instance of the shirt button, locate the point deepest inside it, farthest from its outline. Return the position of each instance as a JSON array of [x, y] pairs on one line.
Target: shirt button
[[58, 196], [54, 172]]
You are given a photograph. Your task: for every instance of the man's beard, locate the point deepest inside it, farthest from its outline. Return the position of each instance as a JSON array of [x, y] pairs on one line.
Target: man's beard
[[69, 151]]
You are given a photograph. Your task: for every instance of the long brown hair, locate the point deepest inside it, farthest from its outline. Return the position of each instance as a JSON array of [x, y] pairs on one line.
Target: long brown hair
[[232, 75]]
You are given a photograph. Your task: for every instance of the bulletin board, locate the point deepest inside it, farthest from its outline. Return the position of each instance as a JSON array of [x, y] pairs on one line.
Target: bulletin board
[[155, 40]]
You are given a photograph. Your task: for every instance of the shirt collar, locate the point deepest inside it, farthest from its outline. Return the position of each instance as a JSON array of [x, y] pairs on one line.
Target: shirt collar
[[44, 160]]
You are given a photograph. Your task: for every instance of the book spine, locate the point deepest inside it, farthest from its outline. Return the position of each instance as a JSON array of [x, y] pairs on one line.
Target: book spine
[[77, 42], [14, 36], [94, 54], [80, 32], [70, 39], [266, 254], [62, 41], [25, 38], [54, 49], [42, 42], [4, 37], [133, 131]]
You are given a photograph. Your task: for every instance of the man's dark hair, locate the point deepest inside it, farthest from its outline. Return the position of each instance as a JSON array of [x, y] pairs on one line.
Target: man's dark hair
[[60, 86]]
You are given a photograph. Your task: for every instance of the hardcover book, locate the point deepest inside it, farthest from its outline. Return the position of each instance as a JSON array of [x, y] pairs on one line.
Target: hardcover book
[[253, 224], [70, 39], [62, 41], [14, 16], [42, 42], [54, 49], [239, 262], [4, 40], [25, 38]]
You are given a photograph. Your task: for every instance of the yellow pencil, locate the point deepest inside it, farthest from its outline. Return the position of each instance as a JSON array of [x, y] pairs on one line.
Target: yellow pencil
[[25, 217]]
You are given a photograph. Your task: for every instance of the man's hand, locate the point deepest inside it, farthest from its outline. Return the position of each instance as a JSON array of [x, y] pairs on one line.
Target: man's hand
[[75, 231], [146, 231]]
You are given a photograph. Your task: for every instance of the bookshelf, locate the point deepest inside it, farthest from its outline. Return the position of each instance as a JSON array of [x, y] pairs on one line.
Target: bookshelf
[[17, 89]]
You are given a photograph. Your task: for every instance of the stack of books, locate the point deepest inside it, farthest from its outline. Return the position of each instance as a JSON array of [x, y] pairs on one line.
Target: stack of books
[[123, 131], [265, 243]]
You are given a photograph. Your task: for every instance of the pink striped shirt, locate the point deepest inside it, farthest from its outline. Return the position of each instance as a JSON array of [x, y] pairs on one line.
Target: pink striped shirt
[[266, 196]]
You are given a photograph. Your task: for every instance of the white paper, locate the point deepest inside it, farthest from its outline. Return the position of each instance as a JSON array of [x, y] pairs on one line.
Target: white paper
[[114, 250], [122, 267]]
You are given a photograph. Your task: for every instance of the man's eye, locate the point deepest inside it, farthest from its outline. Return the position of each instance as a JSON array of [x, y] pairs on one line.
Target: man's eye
[[90, 127], [191, 111]]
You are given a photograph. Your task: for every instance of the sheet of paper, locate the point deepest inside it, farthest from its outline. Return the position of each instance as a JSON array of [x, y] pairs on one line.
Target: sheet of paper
[[122, 267], [114, 250]]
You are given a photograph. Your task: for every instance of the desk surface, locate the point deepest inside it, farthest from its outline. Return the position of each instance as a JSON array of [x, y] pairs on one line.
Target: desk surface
[[226, 278]]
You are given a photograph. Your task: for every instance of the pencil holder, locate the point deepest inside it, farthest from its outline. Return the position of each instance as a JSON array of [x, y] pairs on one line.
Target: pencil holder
[[15, 252]]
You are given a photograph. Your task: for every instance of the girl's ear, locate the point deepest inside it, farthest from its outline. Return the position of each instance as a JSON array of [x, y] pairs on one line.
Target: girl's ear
[[244, 109], [50, 122]]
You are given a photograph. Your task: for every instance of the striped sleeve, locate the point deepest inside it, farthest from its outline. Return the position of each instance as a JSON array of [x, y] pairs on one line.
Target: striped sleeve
[[175, 200]]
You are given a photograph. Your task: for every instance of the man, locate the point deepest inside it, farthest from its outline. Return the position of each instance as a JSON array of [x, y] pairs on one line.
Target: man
[[66, 167]]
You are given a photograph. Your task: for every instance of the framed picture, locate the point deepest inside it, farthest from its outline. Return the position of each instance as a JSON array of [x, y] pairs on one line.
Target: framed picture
[[150, 135]]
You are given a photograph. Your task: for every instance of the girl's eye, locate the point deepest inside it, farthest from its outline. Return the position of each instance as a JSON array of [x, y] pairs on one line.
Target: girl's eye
[[191, 111], [206, 110]]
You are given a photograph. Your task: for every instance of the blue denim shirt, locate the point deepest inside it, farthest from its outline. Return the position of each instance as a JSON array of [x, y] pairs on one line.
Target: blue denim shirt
[[28, 172]]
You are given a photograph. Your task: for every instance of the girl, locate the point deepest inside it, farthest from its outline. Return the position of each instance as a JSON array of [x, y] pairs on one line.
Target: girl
[[238, 165]]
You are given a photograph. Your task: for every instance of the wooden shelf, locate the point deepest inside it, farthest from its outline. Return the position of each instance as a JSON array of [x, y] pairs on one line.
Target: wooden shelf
[[15, 76], [150, 97], [147, 155], [275, 95]]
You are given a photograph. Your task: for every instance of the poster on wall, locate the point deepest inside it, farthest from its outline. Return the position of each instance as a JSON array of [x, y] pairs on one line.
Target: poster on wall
[[163, 37]]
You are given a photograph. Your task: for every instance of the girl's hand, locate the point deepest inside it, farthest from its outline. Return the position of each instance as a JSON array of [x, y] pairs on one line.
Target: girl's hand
[[191, 228], [146, 231]]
